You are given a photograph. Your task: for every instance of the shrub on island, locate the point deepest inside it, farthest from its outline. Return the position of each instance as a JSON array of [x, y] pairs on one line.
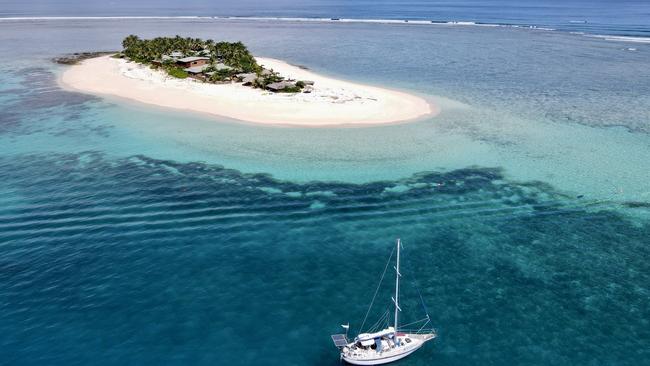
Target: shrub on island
[[177, 72], [220, 75], [290, 89]]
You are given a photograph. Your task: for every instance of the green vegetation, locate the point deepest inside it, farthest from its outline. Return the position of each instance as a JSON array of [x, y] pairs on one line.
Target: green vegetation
[[263, 81], [220, 75], [176, 72], [236, 55], [166, 53], [233, 54], [291, 89]]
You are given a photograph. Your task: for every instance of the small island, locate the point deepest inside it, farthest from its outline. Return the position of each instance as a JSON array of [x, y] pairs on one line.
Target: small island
[[208, 61], [225, 79]]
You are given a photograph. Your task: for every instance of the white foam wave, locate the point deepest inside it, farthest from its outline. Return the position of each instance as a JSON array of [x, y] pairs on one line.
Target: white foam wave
[[101, 18], [285, 19], [333, 20], [621, 38]]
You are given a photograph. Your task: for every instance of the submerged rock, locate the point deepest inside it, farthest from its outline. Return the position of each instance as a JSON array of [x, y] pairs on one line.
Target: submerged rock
[[75, 58]]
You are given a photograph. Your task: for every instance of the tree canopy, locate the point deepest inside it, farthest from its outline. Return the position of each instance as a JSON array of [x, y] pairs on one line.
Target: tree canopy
[[233, 54]]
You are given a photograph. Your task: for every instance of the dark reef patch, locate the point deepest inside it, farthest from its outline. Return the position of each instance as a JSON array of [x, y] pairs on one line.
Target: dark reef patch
[[76, 57]]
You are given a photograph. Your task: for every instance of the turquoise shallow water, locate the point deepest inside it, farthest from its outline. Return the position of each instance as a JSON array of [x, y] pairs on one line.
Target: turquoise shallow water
[[145, 236]]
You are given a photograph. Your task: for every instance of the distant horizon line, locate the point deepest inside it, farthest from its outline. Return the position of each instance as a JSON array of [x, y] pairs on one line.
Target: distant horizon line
[[623, 38]]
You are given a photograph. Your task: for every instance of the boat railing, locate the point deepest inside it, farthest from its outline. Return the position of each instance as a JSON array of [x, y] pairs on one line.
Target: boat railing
[[417, 330]]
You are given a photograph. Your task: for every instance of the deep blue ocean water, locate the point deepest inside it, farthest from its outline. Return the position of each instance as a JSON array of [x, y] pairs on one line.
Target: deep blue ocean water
[[624, 17], [133, 235]]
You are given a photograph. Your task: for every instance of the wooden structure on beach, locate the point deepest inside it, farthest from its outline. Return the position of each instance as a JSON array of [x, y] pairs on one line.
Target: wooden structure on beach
[[192, 61]]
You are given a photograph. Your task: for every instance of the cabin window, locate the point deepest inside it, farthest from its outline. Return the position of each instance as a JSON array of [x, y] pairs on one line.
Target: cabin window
[[408, 340]]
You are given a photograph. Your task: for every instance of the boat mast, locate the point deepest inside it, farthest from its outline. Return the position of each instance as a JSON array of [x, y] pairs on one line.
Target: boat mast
[[397, 276]]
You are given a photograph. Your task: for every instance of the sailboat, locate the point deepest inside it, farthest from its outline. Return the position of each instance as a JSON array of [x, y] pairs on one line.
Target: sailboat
[[379, 346]]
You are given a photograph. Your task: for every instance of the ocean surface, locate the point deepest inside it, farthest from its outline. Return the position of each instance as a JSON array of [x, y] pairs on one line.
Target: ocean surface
[[132, 235], [621, 17]]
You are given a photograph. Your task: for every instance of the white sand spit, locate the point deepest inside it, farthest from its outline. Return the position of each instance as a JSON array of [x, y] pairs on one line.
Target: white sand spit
[[332, 102]]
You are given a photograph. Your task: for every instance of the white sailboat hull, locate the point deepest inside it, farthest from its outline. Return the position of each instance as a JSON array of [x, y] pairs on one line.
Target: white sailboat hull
[[387, 345], [380, 360], [394, 354]]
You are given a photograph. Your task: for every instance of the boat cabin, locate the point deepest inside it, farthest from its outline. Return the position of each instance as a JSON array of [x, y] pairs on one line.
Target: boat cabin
[[379, 341]]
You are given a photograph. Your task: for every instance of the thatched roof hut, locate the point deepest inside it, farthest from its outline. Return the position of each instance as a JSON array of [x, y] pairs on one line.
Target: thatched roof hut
[[281, 85]]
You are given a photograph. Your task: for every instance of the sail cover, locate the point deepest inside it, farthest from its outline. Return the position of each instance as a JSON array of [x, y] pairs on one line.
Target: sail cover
[[368, 336]]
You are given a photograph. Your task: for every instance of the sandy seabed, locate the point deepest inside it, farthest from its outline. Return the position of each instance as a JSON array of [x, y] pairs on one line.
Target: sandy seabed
[[332, 102]]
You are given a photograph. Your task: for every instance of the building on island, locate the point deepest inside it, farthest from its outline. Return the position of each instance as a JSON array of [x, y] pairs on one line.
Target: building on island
[[247, 78], [187, 62], [281, 85], [221, 66], [195, 70], [203, 61], [204, 69]]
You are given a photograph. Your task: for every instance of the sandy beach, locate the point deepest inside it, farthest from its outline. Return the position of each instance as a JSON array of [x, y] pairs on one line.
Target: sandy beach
[[332, 102]]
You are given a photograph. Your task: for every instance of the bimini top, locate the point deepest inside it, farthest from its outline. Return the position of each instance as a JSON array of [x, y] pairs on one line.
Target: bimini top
[[366, 336]]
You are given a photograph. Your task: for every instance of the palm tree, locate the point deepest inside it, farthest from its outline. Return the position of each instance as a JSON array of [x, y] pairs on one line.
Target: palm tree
[[235, 55], [130, 41]]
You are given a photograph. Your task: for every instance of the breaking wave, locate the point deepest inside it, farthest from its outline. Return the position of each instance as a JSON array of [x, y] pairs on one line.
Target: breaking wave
[[420, 22]]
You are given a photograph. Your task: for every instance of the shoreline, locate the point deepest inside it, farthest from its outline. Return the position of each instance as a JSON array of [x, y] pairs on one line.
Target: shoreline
[[332, 103]]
